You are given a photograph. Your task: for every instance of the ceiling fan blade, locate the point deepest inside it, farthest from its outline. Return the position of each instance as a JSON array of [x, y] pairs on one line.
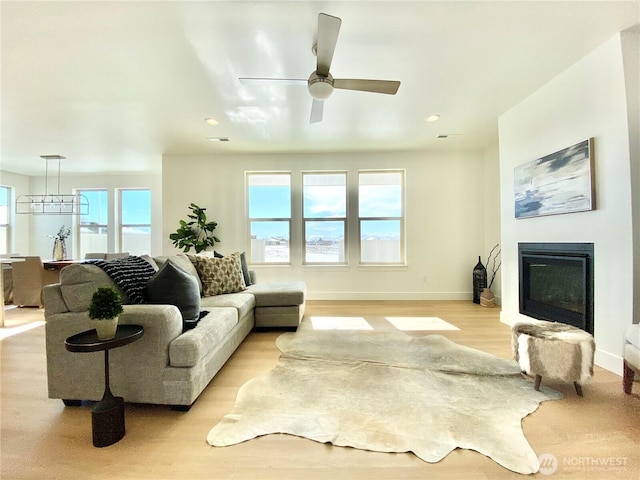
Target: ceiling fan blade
[[328, 29], [390, 87], [316, 111], [271, 81]]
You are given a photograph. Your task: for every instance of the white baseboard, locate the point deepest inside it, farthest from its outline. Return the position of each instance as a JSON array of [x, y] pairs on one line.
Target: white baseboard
[[389, 296], [609, 361]]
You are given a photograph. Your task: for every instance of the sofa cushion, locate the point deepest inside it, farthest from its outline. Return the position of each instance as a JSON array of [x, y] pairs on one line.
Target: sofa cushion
[[182, 261], [220, 275], [151, 261], [195, 344], [78, 283], [632, 335], [243, 302], [275, 294], [171, 285]]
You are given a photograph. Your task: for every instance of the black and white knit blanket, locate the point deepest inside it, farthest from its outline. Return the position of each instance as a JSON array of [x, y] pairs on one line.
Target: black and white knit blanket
[[130, 274]]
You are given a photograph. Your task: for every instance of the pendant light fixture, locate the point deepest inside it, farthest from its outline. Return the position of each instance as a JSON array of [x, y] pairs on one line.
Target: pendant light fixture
[[52, 203]]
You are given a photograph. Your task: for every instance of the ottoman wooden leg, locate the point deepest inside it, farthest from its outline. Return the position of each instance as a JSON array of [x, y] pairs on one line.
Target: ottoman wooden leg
[[578, 388], [627, 378], [538, 380]]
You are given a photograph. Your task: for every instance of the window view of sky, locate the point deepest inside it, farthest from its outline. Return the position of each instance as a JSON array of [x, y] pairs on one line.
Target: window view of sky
[[327, 201], [98, 207], [136, 207], [4, 204], [324, 212]]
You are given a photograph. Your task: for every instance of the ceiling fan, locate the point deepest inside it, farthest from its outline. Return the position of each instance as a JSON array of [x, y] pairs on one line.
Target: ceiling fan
[[321, 83]]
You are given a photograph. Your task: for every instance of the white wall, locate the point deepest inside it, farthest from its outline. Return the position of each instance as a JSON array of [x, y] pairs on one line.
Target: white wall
[[446, 218], [32, 231], [631, 62], [491, 219], [587, 100]]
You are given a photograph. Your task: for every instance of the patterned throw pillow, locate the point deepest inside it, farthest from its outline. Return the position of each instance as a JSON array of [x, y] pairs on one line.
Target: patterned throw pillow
[[220, 275]]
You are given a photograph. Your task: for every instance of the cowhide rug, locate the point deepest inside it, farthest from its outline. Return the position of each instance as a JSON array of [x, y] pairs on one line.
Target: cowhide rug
[[389, 392]]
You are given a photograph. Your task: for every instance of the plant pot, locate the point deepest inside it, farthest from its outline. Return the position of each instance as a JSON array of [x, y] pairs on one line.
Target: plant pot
[[487, 299], [106, 329]]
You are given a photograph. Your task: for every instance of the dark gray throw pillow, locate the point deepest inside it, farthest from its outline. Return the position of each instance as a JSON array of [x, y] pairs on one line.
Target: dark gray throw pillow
[[173, 286], [245, 269]]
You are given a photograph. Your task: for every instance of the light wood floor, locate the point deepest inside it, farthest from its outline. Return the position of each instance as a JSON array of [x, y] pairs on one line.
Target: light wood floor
[[41, 439]]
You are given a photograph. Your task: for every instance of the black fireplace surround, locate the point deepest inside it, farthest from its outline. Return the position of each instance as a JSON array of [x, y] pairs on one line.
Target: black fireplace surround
[[556, 282]]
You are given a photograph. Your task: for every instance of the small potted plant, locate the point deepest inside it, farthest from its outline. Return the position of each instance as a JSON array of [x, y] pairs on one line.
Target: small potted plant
[[105, 307]]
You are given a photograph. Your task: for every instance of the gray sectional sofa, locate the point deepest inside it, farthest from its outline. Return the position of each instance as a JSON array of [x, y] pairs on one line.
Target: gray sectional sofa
[[168, 365]]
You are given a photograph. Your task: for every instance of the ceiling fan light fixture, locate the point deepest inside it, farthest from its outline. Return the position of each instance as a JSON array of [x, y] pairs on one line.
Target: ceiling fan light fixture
[[320, 87], [433, 118], [321, 83], [211, 121]]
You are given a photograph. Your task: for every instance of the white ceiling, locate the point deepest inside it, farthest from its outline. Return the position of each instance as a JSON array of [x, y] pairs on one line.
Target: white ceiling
[[114, 85]]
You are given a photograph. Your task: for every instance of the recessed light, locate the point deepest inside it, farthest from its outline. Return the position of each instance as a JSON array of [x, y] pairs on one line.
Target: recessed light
[[218, 139], [211, 121], [433, 118]]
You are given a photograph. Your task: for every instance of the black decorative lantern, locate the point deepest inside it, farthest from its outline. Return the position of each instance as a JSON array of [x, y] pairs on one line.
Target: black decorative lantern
[[479, 280]]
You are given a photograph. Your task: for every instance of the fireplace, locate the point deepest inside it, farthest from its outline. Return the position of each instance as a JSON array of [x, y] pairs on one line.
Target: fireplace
[[556, 282]]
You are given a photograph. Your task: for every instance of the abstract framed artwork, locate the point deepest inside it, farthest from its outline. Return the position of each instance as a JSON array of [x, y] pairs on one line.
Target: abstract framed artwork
[[561, 182]]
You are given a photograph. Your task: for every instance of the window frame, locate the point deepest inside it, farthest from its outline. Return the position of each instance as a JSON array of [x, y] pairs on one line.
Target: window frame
[[121, 225], [79, 224], [344, 219], [251, 220], [401, 218]]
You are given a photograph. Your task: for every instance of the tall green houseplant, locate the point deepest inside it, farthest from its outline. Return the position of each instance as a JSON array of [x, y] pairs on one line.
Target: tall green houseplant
[[197, 233]]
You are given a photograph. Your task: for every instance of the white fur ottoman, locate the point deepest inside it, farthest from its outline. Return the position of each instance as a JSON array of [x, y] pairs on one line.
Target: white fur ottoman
[[554, 350]]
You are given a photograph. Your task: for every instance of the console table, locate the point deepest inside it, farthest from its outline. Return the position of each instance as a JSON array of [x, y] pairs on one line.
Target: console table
[[107, 416]]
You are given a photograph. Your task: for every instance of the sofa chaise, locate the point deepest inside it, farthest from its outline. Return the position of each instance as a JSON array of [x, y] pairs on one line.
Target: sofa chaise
[[169, 365]]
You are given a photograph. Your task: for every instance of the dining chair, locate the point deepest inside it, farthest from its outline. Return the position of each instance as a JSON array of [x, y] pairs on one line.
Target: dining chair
[[29, 277], [95, 256], [113, 256]]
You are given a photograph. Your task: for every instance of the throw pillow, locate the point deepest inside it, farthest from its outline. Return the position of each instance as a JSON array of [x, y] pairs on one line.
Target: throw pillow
[[171, 285], [220, 275], [245, 269], [184, 262]]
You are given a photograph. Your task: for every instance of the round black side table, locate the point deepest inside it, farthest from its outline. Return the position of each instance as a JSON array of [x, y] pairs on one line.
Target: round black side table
[[107, 416]]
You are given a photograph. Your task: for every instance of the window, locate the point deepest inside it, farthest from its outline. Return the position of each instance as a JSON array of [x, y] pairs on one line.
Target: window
[[322, 220], [381, 216], [135, 221], [324, 206], [5, 219], [92, 227], [269, 219]]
